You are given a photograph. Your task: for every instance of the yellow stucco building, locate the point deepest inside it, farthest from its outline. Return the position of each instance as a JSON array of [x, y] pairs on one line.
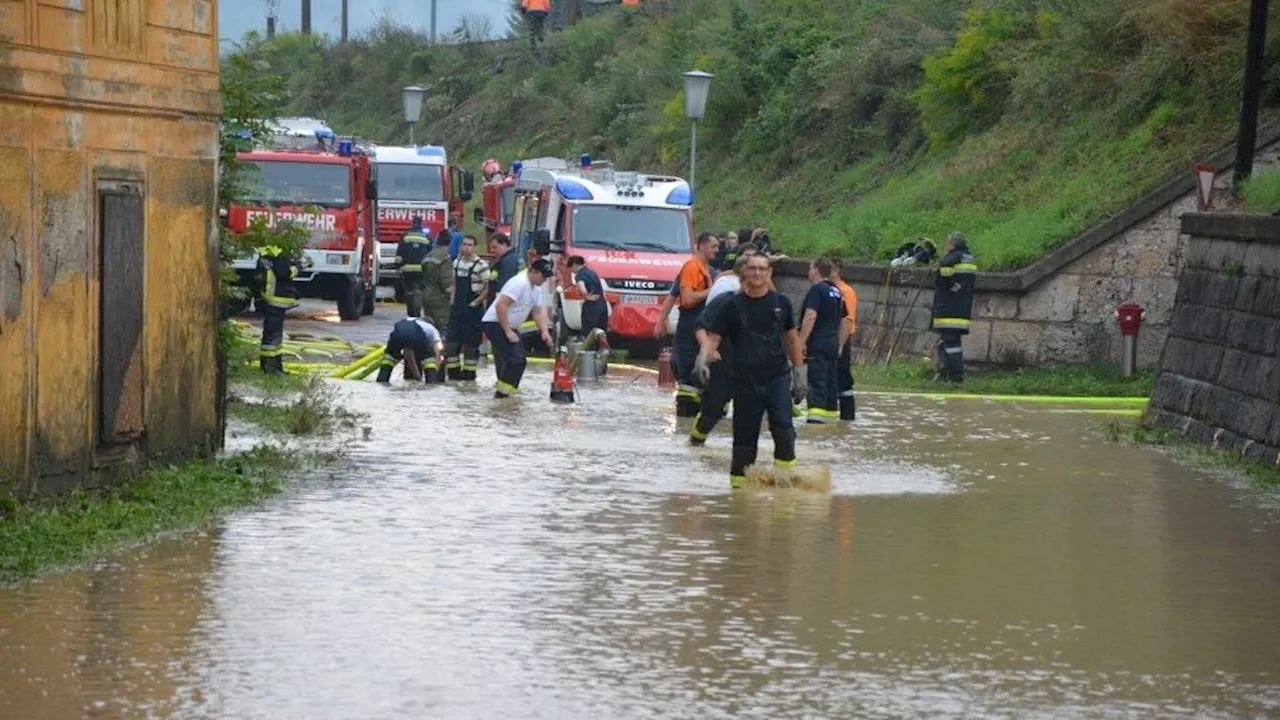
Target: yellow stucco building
[[108, 244]]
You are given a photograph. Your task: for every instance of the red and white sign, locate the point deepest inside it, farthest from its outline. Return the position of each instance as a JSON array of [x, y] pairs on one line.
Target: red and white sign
[[311, 221], [1205, 175], [406, 214]]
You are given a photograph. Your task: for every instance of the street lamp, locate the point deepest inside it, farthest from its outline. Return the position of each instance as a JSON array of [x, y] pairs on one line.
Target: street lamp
[[412, 99], [696, 86]]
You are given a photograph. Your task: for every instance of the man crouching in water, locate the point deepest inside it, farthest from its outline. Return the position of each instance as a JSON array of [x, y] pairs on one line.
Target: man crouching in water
[[761, 324], [417, 341]]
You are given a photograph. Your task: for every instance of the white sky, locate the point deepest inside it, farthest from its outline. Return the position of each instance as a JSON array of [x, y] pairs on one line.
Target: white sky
[[235, 17]]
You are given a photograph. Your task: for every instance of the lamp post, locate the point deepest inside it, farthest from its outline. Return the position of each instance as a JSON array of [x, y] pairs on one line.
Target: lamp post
[[696, 86], [412, 99]]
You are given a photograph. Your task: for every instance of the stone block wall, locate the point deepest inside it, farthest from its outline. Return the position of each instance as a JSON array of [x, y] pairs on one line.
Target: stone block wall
[[1059, 310], [1219, 376]]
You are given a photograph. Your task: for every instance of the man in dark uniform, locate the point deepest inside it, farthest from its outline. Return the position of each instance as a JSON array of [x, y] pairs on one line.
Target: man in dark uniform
[[823, 332], [953, 306], [278, 295], [416, 341], [506, 264], [470, 291], [694, 282], [761, 325], [437, 276], [595, 309], [413, 249]]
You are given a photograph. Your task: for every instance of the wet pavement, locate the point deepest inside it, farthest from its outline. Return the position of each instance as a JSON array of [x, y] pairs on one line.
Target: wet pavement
[[488, 559]]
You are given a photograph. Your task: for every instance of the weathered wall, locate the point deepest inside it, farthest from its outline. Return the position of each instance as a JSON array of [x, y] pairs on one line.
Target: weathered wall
[[1060, 309], [1219, 376], [94, 92]]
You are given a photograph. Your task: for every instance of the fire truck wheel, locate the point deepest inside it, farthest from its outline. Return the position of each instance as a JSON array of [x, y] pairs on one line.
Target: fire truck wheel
[[350, 299]]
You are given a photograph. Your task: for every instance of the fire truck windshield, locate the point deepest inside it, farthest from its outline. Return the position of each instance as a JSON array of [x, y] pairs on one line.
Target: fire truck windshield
[[628, 227], [285, 182], [422, 183]]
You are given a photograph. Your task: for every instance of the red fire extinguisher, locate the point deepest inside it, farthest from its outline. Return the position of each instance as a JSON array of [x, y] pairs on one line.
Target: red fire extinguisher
[[561, 378], [666, 376]]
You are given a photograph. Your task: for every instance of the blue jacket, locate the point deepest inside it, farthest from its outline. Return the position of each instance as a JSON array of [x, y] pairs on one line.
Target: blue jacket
[[455, 245]]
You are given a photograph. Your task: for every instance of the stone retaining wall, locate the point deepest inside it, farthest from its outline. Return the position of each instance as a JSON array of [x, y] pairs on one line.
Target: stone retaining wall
[[1060, 309], [1219, 377]]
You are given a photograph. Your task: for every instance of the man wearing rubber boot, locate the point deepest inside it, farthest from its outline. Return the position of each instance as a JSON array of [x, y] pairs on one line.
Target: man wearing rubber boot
[[469, 292], [694, 283], [719, 386], [953, 306], [437, 278], [823, 332], [844, 367], [413, 249], [278, 295], [522, 295], [416, 341], [761, 325]]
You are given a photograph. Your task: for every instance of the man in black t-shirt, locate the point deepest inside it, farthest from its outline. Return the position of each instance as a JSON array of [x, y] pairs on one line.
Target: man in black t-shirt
[[595, 309], [761, 324], [823, 332]]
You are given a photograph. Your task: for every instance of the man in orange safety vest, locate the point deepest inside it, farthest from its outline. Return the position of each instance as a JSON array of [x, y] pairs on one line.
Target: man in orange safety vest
[[536, 12]]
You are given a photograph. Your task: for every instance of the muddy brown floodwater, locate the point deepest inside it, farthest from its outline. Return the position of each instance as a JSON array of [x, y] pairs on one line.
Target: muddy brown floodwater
[[531, 560]]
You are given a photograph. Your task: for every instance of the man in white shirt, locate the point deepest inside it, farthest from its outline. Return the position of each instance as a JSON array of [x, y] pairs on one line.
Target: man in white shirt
[[521, 296], [417, 341]]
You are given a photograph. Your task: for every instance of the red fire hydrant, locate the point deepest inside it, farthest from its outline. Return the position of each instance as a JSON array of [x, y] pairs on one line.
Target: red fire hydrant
[[666, 375], [1129, 316]]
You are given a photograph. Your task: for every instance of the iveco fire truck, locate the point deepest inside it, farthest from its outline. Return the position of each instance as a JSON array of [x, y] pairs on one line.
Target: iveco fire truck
[[416, 181], [634, 229], [308, 175]]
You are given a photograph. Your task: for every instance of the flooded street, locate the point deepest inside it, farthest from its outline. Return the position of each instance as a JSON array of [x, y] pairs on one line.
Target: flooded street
[[482, 559]]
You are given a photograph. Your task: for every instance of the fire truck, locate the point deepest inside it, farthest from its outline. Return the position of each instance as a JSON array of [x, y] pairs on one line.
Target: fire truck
[[416, 181], [308, 175], [634, 229]]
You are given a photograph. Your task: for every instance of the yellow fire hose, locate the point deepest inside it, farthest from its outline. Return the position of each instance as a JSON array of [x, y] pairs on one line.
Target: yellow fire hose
[[372, 357]]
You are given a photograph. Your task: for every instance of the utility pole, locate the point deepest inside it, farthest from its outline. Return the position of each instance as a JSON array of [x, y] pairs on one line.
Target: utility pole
[[306, 17], [433, 22], [273, 11], [344, 20], [1248, 135]]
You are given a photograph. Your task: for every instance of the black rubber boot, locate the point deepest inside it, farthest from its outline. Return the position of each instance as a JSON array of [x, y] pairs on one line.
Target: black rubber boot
[[687, 406], [848, 408], [784, 444], [384, 373]]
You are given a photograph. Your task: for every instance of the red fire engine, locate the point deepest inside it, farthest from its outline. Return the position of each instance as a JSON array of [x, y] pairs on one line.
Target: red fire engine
[[308, 175]]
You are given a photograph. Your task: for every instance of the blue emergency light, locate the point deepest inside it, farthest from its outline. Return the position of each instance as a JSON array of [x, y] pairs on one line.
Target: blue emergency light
[[681, 194], [324, 133], [516, 167], [431, 151], [344, 147], [573, 190], [243, 134], [585, 160]]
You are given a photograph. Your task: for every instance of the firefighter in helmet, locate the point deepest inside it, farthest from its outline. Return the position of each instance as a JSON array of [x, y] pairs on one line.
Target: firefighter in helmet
[[278, 271], [491, 170], [413, 249], [953, 306]]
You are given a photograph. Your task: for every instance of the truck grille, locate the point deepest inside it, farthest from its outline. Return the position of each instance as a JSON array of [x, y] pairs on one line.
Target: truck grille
[[642, 286]]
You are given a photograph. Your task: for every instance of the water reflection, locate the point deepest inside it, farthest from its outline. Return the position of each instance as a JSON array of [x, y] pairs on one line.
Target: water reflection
[[974, 560]]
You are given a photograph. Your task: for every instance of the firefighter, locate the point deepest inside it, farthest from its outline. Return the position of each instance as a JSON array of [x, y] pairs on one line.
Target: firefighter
[[437, 277], [413, 248], [416, 341], [823, 332], [761, 325], [728, 254], [694, 283], [844, 368], [953, 306], [521, 296], [595, 309], [506, 263], [469, 292], [719, 387], [491, 170], [535, 11], [278, 295]]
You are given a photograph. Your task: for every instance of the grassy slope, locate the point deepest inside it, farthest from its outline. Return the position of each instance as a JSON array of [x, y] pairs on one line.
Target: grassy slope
[[844, 126]]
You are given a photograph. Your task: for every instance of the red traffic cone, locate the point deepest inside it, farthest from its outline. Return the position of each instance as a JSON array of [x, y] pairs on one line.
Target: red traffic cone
[[562, 379]]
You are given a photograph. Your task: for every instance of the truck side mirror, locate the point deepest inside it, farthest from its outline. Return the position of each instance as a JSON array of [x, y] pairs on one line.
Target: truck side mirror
[[478, 216], [468, 182], [371, 189], [464, 183]]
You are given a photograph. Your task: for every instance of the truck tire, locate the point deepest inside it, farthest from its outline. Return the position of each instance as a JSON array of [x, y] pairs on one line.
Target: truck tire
[[350, 298]]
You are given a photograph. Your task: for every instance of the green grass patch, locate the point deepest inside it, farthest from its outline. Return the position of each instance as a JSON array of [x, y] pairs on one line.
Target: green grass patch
[[307, 406], [1068, 381], [54, 534], [1261, 193], [1192, 453]]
